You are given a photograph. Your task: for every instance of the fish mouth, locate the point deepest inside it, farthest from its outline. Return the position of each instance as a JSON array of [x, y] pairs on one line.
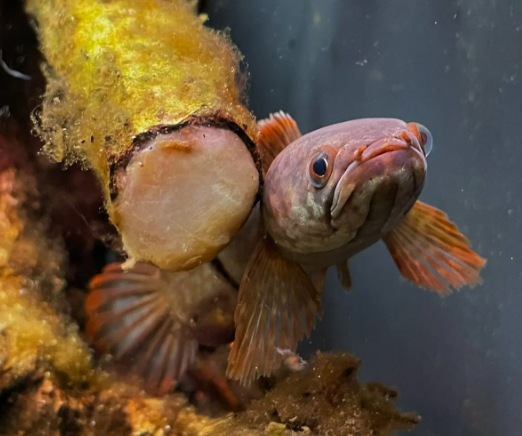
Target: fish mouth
[[345, 188]]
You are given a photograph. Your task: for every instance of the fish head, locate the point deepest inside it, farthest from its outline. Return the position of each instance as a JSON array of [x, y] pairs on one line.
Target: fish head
[[344, 185]]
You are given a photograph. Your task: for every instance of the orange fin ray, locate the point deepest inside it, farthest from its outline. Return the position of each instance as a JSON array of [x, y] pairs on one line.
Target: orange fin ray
[[112, 278], [277, 306], [122, 310], [156, 339], [318, 278], [129, 316], [430, 251], [276, 132], [156, 367]]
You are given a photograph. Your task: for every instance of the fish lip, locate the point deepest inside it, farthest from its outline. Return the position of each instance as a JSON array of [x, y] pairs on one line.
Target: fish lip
[[337, 204], [382, 150], [339, 201]]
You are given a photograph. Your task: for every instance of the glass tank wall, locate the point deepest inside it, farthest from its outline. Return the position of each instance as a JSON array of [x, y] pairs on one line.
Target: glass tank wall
[[454, 66]]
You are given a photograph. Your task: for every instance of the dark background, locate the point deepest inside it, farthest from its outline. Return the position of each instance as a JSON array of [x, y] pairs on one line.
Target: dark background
[[454, 66]]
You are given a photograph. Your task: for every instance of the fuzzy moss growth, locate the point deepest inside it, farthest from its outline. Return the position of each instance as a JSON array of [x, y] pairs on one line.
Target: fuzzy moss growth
[[10, 223], [118, 68], [30, 286], [35, 332]]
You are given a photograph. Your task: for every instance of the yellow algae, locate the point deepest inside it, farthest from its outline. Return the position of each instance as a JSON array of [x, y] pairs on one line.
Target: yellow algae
[[30, 326], [35, 332], [119, 68], [10, 224], [148, 414]]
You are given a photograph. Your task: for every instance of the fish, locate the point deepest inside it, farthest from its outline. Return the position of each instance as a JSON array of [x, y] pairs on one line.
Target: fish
[[153, 321], [327, 196]]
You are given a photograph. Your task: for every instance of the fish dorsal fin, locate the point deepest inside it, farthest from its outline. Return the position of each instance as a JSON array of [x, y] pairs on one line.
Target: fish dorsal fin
[[344, 275], [430, 251], [129, 316], [276, 132], [277, 306]]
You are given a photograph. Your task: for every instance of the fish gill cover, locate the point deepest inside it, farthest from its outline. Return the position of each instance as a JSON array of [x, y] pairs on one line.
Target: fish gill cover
[[117, 69]]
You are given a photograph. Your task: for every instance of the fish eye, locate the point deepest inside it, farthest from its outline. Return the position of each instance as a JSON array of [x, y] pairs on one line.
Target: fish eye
[[320, 169], [423, 135], [426, 139]]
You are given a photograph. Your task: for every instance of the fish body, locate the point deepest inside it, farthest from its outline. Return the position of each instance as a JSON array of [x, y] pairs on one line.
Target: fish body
[[327, 196]]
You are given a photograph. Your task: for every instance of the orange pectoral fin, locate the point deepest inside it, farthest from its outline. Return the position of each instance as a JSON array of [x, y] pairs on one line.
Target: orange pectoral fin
[[277, 306], [276, 132], [128, 316], [430, 251]]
